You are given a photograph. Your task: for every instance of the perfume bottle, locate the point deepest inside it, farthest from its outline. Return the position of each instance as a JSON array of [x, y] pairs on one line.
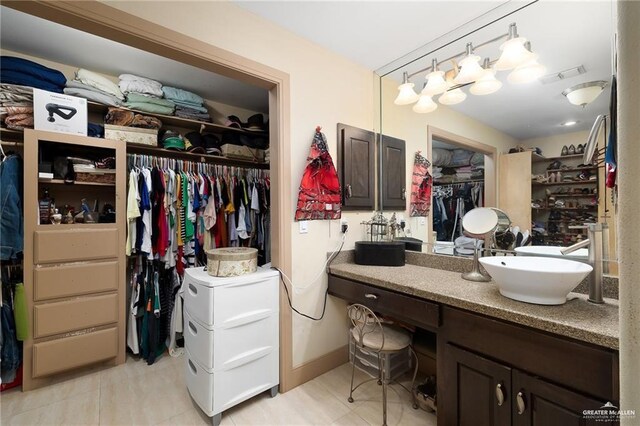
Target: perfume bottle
[[44, 207]]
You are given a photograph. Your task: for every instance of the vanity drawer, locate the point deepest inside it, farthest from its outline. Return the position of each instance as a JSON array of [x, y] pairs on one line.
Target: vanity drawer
[[75, 314], [68, 245], [64, 354], [74, 280], [225, 348], [410, 309]]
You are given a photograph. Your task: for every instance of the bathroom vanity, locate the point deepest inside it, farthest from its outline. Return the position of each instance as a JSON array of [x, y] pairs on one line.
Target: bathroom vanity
[[499, 361]]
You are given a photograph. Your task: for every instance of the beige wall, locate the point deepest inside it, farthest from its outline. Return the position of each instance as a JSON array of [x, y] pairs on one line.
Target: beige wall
[[325, 89], [552, 145], [403, 123]]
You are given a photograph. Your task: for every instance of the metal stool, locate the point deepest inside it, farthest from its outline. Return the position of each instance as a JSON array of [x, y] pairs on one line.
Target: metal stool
[[368, 333]]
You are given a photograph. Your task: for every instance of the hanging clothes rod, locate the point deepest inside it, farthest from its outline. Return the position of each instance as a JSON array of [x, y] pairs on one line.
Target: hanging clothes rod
[[195, 157], [144, 160]]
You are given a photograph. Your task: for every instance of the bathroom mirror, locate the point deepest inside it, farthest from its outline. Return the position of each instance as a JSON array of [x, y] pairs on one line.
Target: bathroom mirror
[[550, 113]]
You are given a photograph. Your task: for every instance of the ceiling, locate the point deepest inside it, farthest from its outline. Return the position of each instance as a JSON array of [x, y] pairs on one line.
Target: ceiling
[[27, 34], [386, 36]]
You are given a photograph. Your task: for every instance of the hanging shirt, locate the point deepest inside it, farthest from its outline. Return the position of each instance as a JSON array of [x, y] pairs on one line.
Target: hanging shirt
[[133, 210], [146, 213]]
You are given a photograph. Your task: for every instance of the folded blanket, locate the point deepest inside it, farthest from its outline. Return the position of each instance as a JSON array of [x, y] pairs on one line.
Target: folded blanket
[[19, 121], [119, 117], [93, 95], [191, 114], [15, 95], [18, 77], [149, 107], [99, 82], [140, 85], [146, 122], [11, 110], [24, 66], [95, 130], [181, 95], [189, 105], [131, 77], [140, 98]]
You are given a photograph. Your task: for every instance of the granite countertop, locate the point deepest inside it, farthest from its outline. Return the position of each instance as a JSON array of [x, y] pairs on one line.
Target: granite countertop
[[578, 319]]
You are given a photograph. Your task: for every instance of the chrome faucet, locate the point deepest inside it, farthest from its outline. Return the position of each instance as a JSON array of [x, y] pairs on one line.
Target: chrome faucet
[[598, 245]]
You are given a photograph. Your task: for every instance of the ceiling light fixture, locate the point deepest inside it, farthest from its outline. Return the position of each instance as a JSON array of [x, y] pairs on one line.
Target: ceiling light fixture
[[406, 93], [435, 81], [584, 93], [487, 83], [470, 69], [425, 105], [528, 72], [452, 97], [513, 51]]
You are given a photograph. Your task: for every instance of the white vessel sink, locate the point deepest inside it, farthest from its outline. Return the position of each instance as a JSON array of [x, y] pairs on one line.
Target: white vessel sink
[[539, 280], [580, 254]]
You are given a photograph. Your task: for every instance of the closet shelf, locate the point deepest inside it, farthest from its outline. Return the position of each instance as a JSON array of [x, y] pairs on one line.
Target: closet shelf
[[565, 208], [576, 195], [571, 182], [133, 148], [11, 134], [458, 181], [574, 169], [185, 123], [538, 158], [573, 221], [61, 182]]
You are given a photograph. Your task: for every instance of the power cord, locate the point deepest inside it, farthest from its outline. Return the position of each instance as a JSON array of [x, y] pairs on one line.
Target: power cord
[[325, 268]]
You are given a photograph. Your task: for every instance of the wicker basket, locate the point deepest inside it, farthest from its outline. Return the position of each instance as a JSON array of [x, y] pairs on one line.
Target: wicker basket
[[232, 261]]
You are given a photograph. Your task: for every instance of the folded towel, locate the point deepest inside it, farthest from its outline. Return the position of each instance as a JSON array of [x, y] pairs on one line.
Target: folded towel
[[146, 86], [181, 95], [11, 94], [122, 117], [145, 80], [93, 95], [24, 66], [193, 107], [99, 82], [149, 107], [11, 110], [192, 114], [19, 121], [141, 98], [23, 79]]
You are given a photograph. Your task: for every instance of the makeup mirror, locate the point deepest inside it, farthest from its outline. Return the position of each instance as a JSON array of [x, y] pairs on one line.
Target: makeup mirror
[[479, 223]]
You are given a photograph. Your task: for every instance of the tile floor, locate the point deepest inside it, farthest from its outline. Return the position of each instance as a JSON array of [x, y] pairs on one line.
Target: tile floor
[[137, 394]]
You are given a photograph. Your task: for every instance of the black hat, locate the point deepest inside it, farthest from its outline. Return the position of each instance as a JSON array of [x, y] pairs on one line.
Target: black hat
[[212, 144], [255, 123], [233, 121], [194, 142]]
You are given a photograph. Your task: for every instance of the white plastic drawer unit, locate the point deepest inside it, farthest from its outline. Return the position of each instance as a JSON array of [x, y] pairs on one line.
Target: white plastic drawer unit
[[225, 302], [230, 347]]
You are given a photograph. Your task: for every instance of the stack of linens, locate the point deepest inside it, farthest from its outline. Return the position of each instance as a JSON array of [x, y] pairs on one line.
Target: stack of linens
[[144, 94], [16, 106], [188, 104], [94, 87], [27, 73]]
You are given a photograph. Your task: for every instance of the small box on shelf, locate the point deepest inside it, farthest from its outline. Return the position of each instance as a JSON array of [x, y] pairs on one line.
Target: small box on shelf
[[136, 135]]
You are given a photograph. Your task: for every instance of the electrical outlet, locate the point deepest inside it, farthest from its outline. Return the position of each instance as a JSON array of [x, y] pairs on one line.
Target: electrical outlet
[[423, 221], [344, 225], [304, 226]]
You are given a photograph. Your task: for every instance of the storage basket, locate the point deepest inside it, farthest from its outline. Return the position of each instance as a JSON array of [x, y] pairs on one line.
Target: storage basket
[[131, 134], [232, 261], [93, 175]]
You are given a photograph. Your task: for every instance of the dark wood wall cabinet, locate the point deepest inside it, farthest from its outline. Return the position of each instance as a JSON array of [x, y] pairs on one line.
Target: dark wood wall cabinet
[[493, 372], [356, 169]]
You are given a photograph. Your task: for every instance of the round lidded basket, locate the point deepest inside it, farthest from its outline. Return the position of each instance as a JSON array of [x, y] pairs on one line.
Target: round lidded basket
[[232, 261]]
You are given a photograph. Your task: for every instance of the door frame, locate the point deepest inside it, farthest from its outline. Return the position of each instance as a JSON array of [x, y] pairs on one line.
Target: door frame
[[490, 165], [102, 20]]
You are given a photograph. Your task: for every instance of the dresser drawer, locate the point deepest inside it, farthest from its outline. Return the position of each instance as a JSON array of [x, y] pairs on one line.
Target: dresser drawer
[[76, 314], [410, 309], [68, 245], [225, 348], [74, 280], [64, 354], [231, 304], [216, 392]]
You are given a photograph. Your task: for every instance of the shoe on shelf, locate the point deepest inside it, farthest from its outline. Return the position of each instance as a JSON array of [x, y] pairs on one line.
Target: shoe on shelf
[[555, 165], [572, 149], [565, 150], [580, 149]]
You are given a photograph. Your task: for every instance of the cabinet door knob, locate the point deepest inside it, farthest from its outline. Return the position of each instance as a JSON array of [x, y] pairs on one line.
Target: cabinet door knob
[[404, 194], [371, 296], [521, 402], [500, 394], [347, 191]]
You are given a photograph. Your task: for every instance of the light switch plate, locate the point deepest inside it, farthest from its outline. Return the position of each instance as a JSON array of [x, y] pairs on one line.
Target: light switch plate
[[304, 226]]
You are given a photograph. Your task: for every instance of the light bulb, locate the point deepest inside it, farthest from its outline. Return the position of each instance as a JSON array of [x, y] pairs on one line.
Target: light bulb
[[435, 84], [486, 84], [425, 104], [470, 70], [452, 97], [513, 54], [527, 72]]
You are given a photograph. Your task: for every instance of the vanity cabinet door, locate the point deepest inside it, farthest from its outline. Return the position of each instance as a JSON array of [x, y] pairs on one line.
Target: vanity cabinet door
[[475, 390], [394, 175], [540, 403], [356, 151]]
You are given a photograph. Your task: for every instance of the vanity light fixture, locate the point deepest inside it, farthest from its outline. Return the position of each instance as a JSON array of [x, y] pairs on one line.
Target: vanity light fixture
[[584, 93], [470, 69], [487, 83], [407, 95], [452, 97], [425, 105], [435, 81], [528, 72], [514, 53]]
